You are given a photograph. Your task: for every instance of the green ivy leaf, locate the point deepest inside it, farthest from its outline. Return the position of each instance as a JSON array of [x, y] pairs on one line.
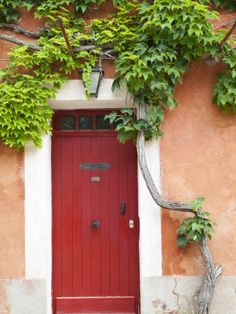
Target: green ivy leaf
[[111, 116], [182, 241], [196, 204]]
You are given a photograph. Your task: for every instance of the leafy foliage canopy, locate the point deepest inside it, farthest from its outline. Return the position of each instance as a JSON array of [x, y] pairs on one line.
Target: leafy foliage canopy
[[9, 8], [153, 41]]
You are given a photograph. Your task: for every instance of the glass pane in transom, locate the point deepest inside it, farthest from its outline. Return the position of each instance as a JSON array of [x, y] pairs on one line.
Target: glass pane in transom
[[101, 123], [85, 122], [67, 123]]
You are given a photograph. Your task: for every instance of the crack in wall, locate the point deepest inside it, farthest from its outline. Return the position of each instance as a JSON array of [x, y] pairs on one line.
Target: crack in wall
[[176, 294]]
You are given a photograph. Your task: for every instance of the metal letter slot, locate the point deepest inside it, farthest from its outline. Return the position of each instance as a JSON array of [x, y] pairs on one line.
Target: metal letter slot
[[95, 166], [95, 224], [122, 208], [131, 223]]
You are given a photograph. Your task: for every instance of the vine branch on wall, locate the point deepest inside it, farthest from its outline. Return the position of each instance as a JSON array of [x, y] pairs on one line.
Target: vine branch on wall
[[20, 30], [19, 42], [176, 206], [228, 33], [140, 144], [107, 52], [209, 280]]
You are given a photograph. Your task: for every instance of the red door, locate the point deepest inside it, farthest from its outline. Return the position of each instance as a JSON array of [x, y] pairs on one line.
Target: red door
[[95, 223]]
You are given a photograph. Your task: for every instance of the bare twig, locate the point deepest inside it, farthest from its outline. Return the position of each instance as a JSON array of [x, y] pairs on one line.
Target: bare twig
[[84, 48], [20, 30], [228, 34], [108, 55], [19, 42]]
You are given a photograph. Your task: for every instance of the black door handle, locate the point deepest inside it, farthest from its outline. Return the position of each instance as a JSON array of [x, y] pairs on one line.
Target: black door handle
[[95, 224], [122, 208]]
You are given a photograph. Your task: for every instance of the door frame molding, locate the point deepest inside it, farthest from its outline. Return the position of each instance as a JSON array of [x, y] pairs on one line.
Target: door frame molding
[[38, 198]]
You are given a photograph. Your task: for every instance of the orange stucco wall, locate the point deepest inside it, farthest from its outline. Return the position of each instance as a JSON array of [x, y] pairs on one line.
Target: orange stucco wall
[[198, 159], [11, 213]]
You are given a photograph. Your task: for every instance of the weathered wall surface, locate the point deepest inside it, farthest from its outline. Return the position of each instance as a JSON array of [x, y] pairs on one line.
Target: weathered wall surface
[[198, 159], [11, 213], [12, 261], [177, 294], [22, 296], [12, 219]]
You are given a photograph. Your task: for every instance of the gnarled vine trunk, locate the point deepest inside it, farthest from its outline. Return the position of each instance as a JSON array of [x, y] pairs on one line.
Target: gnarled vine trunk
[[212, 271], [209, 280]]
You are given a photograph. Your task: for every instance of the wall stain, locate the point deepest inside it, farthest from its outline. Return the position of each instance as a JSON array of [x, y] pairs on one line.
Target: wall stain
[[162, 307]]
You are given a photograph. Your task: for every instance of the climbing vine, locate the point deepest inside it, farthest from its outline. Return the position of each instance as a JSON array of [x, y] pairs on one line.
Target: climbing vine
[[194, 229], [170, 35], [9, 8], [158, 40], [128, 126], [33, 76], [225, 88], [151, 43], [230, 4]]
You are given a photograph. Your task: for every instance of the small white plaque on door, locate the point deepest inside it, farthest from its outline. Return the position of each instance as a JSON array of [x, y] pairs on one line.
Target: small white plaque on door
[[95, 179], [131, 224]]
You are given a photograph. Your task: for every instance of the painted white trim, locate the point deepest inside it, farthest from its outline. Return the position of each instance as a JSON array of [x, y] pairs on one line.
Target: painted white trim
[[150, 217], [38, 242], [72, 96], [150, 245]]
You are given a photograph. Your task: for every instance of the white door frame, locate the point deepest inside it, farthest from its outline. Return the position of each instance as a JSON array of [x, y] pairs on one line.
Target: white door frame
[[38, 198]]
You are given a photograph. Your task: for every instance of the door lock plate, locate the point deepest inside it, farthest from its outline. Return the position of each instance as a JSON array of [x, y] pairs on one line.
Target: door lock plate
[[131, 223]]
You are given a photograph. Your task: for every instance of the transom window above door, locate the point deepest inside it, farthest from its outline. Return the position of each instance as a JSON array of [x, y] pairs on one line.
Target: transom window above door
[[81, 120]]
